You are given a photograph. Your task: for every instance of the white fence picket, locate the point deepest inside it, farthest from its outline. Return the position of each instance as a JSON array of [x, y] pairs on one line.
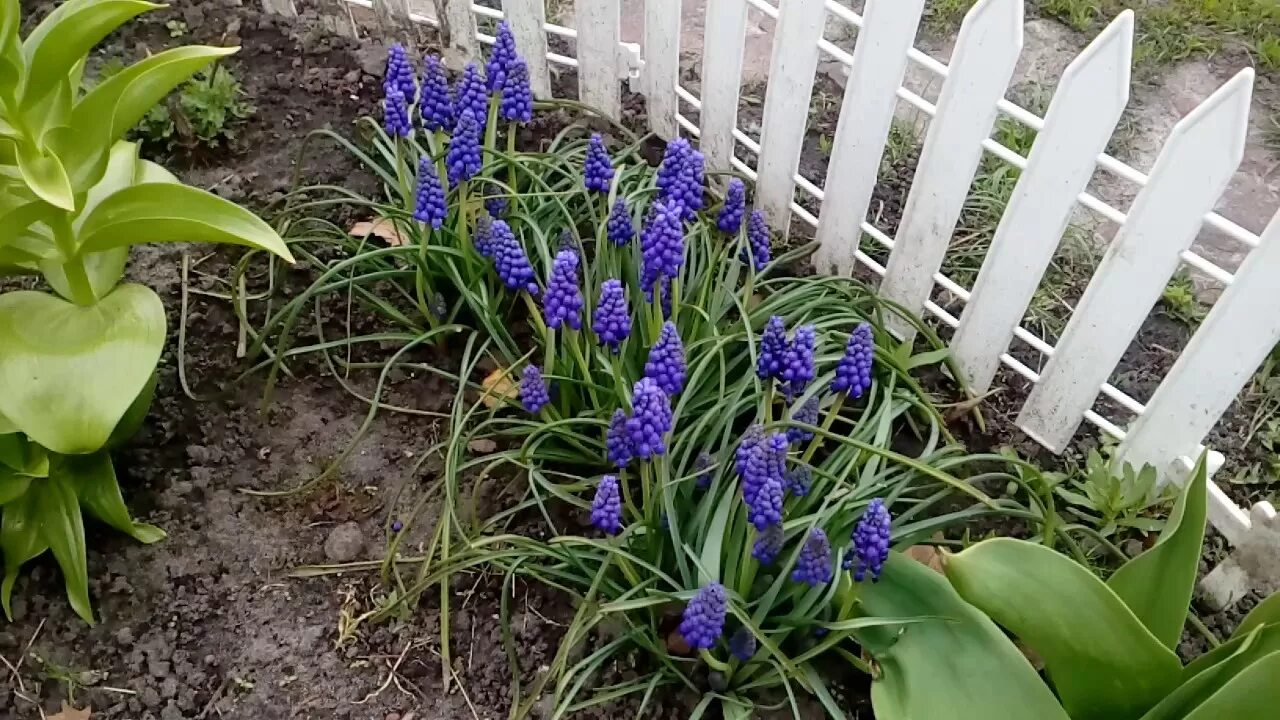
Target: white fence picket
[[395, 12], [597, 25], [986, 52], [662, 65], [866, 113], [526, 18], [786, 106], [722, 46], [1234, 339], [1085, 109], [463, 46], [280, 7], [1189, 176]]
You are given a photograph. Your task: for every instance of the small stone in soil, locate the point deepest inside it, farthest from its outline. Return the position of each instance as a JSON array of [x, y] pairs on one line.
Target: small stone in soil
[[344, 543]]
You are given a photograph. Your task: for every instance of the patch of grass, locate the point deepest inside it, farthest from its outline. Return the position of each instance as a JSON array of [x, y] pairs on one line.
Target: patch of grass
[[1180, 301], [1268, 52], [901, 142], [945, 16], [1080, 15], [1271, 136], [205, 112]]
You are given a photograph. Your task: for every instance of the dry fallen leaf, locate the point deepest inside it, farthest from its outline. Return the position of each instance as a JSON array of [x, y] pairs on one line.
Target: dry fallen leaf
[[928, 555], [70, 713], [677, 645], [499, 388], [482, 446], [382, 227]]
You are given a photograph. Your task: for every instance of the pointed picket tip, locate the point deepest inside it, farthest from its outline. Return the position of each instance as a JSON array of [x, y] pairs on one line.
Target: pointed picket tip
[[1108, 60], [1225, 114], [988, 16]]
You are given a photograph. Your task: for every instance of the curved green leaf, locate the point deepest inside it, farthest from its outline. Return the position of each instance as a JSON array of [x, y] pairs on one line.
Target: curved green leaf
[[1194, 691], [52, 50], [10, 52], [71, 371], [62, 527], [44, 175], [20, 541], [1157, 585], [133, 417], [15, 222], [1266, 612], [109, 110], [1103, 662], [1254, 694], [164, 212], [961, 668], [94, 481], [104, 269], [13, 485], [13, 448], [1266, 641]]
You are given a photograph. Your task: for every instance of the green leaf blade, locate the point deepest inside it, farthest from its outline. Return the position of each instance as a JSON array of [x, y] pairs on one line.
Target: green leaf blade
[[94, 479], [20, 541], [62, 529], [45, 176]]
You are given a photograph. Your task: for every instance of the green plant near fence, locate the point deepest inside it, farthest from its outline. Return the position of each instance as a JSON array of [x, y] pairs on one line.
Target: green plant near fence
[[77, 366]]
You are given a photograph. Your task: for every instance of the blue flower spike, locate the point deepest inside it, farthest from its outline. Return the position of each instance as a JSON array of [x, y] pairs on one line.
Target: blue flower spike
[[619, 227], [735, 208], [463, 157], [813, 567], [798, 362], [870, 542], [617, 442], [661, 247], [703, 622], [395, 113], [612, 320], [562, 305], [758, 240], [517, 97], [472, 95], [509, 257], [606, 507], [807, 414], [763, 479], [429, 206], [502, 59], [597, 173], [534, 393], [399, 74], [436, 107], [666, 363], [742, 644], [853, 371], [767, 545], [650, 420], [773, 346]]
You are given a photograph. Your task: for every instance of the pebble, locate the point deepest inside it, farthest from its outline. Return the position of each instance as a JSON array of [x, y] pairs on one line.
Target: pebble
[[124, 636], [344, 543]]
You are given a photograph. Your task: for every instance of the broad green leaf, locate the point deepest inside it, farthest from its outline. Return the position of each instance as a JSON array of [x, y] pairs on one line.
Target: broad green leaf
[[1195, 690], [1266, 641], [66, 36], [960, 668], [62, 528], [1103, 662], [13, 447], [133, 417], [20, 541], [1157, 585], [931, 357], [110, 109], [1254, 694], [164, 212], [10, 52], [1266, 612], [44, 175], [13, 485], [72, 371], [94, 481], [104, 270], [15, 222]]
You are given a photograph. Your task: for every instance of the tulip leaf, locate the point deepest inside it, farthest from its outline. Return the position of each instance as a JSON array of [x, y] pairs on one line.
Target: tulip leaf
[[70, 371], [960, 668], [1253, 694], [94, 480], [1102, 660], [1195, 690], [62, 528], [10, 51], [1157, 585], [13, 485], [44, 175], [133, 417], [1266, 612], [1266, 641], [116, 104], [20, 541], [65, 37], [13, 449], [165, 212]]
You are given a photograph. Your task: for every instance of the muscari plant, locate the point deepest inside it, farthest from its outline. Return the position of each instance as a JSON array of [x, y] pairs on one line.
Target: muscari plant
[[77, 366]]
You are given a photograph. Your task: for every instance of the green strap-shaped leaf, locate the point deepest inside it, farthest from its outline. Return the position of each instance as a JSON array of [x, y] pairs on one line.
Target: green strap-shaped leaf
[[1104, 663], [13, 447], [94, 481], [114, 106], [15, 222], [66, 36], [44, 175], [20, 541], [10, 52], [70, 372], [959, 668], [1266, 612], [1254, 694], [133, 417], [62, 529], [1266, 641], [164, 212], [1196, 690], [1157, 585], [7, 426], [13, 485]]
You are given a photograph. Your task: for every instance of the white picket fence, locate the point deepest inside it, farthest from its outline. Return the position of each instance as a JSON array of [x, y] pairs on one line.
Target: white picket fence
[[1175, 200]]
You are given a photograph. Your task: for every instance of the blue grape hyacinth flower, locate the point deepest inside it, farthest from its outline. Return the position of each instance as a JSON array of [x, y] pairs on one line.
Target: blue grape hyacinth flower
[[650, 420], [666, 360], [562, 305], [797, 361], [742, 644], [503, 57], [429, 205], [773, 348], [751, 437], [799, 480], [395, 113], [472, 95], [399, 74], [619, 227], [534, 393], [853, 371], [517, 97], [870, 542], [661, 247], [463, 157], [496, 206], [606, 507], [758, 240], [768, 544], [483, 236], [597, 171], [763, 475], [509, 258], [813, 567], [807, 414], [617, 442], [680, 177], [703, 620], [735, 207], [702, 470], [436, 107], [612, 320]]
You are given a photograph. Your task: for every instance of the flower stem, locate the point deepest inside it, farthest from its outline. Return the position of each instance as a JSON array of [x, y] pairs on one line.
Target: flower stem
[[832, 413]]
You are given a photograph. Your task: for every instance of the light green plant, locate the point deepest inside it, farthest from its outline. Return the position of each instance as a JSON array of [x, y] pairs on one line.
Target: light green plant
[[1180, 301], [1112, 498], [77, 366], [206, 112]]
